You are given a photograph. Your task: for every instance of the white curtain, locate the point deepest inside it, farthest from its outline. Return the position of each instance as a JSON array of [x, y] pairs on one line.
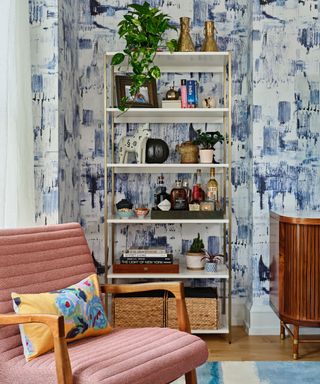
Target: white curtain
[[16, 132]]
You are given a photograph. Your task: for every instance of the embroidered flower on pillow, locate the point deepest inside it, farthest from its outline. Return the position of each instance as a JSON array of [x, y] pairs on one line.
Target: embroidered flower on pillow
[[67, 304], [95, 314]]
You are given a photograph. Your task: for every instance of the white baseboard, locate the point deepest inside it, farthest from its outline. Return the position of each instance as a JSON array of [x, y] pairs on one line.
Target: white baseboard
[[261, 320]]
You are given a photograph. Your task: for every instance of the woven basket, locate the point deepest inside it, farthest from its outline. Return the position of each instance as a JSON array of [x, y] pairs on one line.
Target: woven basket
[[137, 312], [202, 311]]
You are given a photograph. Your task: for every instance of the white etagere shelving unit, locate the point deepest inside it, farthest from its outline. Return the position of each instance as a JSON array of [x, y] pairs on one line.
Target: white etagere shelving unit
[[179, 62]]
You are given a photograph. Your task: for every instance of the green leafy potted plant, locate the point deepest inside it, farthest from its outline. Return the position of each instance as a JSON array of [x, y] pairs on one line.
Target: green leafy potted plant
[[143, 29], [212, 260], [207, 141], [194, 257]]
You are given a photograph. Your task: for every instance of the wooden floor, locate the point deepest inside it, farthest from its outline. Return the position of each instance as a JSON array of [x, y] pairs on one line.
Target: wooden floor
[[257, 348]]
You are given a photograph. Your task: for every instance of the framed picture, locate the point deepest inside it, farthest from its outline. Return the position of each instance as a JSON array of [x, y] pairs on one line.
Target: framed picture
[[146, 98]]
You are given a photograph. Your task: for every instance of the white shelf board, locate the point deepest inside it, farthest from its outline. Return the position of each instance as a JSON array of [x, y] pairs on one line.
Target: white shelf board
[[181, 62], [148, 220], [210, 331], [169, 115], [184, 273], [163, 168]]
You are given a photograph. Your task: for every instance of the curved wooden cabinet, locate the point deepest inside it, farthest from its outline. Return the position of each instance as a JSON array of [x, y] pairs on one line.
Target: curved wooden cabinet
[[295, 271]]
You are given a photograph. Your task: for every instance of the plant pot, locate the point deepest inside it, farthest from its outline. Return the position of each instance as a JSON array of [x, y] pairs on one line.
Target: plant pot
[[206, 156], [193, 260], [211, 267]]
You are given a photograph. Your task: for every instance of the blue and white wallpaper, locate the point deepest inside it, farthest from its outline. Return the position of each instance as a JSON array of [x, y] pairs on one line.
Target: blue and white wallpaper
[[44, 60], [275, 130]]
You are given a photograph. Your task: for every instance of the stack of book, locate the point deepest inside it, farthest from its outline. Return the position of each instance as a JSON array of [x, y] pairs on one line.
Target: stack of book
[[146, 255]]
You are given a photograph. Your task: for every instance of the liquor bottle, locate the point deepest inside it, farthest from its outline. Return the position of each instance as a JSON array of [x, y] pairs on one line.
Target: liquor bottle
[[160, 192], [178, 197], [185, 185], [212, 187], [198, 194]]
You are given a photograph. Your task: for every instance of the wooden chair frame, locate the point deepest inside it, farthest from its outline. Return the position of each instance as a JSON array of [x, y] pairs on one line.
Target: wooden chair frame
[[56, 324]]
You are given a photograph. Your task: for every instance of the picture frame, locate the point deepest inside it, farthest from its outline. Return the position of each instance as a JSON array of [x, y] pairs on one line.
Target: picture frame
[[147, 97]]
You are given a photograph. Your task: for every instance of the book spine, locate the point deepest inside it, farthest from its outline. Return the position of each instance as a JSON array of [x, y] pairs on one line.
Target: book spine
[[157, 251], [168, 258], [130, 255], [146, 261]]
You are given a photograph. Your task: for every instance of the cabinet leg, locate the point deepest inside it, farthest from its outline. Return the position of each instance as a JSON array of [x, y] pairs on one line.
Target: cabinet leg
[[295, 342], [282, 331]]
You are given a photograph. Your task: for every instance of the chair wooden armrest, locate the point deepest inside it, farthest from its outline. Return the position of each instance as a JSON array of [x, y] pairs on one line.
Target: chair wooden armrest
[[56, 325], [176, 288]]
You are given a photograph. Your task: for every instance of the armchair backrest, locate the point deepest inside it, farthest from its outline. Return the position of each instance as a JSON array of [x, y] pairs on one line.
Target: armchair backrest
[[38, 259]]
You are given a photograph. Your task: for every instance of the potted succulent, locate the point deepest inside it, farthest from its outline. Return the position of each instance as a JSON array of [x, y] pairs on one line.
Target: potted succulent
[[207, 141], [143, 29], [212, 260], [195, 256]]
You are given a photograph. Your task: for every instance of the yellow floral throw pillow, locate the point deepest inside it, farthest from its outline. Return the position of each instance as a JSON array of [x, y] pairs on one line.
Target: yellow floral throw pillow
[[81, 306]]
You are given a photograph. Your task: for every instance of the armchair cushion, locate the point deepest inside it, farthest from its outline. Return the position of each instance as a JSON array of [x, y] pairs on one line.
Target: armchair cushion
[[125, 356], [81, 306]]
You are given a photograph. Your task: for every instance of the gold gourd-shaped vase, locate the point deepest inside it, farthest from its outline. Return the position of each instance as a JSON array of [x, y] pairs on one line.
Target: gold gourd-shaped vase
[[185, 43], [209, 44]]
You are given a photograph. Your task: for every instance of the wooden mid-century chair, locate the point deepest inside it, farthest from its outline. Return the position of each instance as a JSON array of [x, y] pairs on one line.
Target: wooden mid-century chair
[[42, 259]]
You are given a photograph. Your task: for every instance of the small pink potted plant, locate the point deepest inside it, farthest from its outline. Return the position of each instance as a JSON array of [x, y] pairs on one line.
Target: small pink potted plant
[[212, 260]]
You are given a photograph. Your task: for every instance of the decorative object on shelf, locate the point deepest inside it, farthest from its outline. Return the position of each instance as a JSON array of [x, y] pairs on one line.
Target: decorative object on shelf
[[212, 260], [209, 43], [124, 209], [207, 141], [172, 94], [194, 207], [192, 93], [207, 206], [143, 29], [171, 104], [157, 151], [141, 212], [124, 203], [124, 213], [189, 152], [161, 194], [183, 93], [178, 197], [194, 258], [213, 188], [165, 205], [185, 43], [208, 102], [146, 97], [136, 144]]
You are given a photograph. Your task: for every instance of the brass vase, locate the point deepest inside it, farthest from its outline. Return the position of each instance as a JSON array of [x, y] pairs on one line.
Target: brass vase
[[185, 43], [209, 44]]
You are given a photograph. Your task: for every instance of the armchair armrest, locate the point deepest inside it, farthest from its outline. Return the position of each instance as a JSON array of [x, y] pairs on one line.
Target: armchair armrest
[[56, 325], [176, 288]]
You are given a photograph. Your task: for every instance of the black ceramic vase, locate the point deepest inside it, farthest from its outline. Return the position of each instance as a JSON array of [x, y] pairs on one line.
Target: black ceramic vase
[[157, 151]]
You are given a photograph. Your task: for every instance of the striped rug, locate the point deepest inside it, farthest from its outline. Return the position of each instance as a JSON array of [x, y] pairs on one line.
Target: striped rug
[[258, 372]]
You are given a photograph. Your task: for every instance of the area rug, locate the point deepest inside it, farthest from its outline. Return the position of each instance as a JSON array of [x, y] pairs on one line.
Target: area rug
[[258, 372]]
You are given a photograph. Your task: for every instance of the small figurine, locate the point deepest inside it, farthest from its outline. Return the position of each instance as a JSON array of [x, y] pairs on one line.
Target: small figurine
[[136, 144], [208, 102], [172, 94]]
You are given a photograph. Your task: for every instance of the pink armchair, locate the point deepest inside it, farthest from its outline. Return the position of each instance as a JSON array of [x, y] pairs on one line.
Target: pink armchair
[[40, 259]]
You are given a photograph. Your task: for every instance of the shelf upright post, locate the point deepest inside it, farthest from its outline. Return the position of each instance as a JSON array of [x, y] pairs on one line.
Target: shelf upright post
[[106, 136], [229, 196], [224, 184], [112, 169]]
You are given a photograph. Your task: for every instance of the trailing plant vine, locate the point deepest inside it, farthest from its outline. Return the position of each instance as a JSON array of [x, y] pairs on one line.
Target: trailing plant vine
[[143, 28]]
